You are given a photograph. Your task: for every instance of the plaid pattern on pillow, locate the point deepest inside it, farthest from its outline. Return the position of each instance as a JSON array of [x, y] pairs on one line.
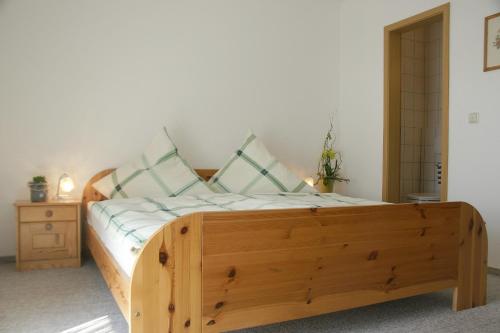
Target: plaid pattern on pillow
[[252, 169], [158, 172]]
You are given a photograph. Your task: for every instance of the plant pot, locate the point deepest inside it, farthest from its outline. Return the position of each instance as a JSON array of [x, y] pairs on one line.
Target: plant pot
[[39, 192], [328, 188]]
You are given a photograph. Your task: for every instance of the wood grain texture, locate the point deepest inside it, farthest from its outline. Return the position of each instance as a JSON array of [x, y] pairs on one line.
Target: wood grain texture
[[48, 235], [220, 271], [27, 203], [47, 213], [473, 261], [152, 285], [261, 267], [166, 283], [117, 281], [48, 264], [48, 240]]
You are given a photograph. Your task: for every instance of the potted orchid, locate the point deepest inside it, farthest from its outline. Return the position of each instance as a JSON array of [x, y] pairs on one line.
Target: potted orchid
[[329, 164]]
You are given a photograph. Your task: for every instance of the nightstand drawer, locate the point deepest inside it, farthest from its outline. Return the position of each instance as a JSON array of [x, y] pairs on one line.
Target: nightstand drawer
[[47, 213], [48, 240]]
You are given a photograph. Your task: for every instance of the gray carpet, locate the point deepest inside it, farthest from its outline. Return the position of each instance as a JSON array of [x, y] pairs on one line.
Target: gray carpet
[[76, 300]]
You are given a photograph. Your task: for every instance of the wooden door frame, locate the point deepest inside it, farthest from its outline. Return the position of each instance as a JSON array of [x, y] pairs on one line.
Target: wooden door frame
[[392, 99]]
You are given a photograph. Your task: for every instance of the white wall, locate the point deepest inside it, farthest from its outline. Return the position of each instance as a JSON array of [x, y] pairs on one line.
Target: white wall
[[474, 161], [84, 85]]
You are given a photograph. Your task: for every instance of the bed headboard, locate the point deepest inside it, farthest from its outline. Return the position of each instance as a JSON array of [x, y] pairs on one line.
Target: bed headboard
[[90, 194]]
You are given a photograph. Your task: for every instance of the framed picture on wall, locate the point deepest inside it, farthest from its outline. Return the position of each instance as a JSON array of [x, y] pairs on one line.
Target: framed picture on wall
[[492, 42]]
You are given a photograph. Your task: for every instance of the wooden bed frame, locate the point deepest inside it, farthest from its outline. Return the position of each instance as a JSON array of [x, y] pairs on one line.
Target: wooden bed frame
[[220, 271]]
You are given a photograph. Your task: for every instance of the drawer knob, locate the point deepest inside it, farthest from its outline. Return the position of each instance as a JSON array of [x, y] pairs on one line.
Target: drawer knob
[[48, 226], [49, 213]]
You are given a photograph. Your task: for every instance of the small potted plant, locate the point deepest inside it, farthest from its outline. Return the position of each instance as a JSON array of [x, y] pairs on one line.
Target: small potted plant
[[39, 189], [329, 164]]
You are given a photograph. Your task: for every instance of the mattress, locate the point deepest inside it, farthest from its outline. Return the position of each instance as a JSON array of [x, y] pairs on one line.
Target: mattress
[[125, 225]]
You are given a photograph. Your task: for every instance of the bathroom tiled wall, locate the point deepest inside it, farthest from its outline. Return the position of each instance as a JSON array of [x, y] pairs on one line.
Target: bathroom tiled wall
[[420, 109], [432, 132], [412, 109]]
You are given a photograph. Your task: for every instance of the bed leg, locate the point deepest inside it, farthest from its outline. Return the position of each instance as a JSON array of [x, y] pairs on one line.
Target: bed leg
[[472, 261]]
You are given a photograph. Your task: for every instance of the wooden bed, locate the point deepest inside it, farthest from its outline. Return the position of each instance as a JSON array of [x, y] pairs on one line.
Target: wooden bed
[[220, 271]]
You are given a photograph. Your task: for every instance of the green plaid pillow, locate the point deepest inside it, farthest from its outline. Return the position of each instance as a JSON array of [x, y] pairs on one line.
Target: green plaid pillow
[[252, 169], [159, 172]]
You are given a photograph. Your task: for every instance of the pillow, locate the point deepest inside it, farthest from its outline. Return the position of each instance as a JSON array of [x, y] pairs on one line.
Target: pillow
[[158, 172], [252, 169]]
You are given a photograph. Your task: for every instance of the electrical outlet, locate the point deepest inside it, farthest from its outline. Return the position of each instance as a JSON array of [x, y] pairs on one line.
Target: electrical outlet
[[473, 117]]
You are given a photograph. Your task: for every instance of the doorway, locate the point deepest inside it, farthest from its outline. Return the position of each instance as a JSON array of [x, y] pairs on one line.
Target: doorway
[[416, 92]]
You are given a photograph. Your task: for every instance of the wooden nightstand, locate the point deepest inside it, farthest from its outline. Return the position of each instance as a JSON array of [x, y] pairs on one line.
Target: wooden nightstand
[[48, 234]]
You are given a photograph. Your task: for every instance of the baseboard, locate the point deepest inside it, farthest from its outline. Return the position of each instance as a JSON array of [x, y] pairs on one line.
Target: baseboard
[[494, 271], [7, 260]]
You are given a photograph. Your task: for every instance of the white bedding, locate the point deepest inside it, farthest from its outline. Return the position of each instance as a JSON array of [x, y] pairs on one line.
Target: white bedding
[[125, 225]]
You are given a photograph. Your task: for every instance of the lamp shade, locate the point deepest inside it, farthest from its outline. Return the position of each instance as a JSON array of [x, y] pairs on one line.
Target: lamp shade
[[65, 186]]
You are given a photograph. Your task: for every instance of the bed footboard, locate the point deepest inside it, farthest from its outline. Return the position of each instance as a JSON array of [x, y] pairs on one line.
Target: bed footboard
[[213, 272]]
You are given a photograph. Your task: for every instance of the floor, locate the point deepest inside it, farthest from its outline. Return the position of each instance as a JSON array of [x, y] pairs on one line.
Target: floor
[[76, 300]]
